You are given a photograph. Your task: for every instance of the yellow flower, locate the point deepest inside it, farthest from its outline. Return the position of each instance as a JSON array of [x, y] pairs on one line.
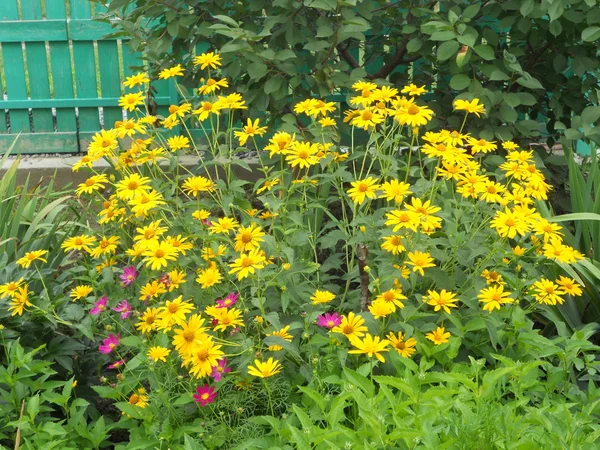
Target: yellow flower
[[213, 85], [248, 263], [79, 292], [93, 183], [29, 257], [232, 101], [481, 145], [201, 214], [248, 238], [399, 219], [19, 301], [443, 300], [424, 213], [131, 101], [173, 313], [385, 94], [471, 107], [10, 289], [81, 242], [267, 186], [352, 326], [546, 292], [179, 244], [519, 251], [226, 317], [508, 224], [393, 298], [363, 189], [569, 286], [395, 190], [283, 334], [132, 186], [147, 322], [208, 253], [195, 185], [327, 122], [223, 225], [405, 348], [206, 108], [184, 338], [139, 399], [494, 297], [413, 90], [302, 154], [381, 308], [178, 143], [560, 252], [393, 244], [412, 114], [279, 143], [370, 346], [209, 277], [179, 111], [265, 369], [137, 79], [209, 59], [547, 229], [366, 119], [203, 357], [106, 246], [492, 277], [176, 71], [438, 336], [320, 297], [420, 261], [158, 254], [492, 192], [251, 129], [152, 289], [158, 353]]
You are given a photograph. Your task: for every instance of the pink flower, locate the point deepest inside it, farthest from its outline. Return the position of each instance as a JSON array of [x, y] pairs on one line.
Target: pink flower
[[207, 222], [117, 364], [129, 276], [329, 320], [228, 301], [99, 306], [124, 308], [205, 395], [109, 343], [165, 279], [220, 369]]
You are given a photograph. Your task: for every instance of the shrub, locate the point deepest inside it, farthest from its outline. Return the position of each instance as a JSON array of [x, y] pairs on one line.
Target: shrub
[[532, 64], [215, 299]]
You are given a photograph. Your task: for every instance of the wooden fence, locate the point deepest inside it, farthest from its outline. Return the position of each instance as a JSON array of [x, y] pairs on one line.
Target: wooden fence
[[60, 83]]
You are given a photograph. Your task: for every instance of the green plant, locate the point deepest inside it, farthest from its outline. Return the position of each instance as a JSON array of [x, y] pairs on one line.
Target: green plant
[[532, 63]]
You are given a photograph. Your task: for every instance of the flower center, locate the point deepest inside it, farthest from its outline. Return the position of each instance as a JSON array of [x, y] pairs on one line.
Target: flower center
[[159, 253], [348, 329], [132, 186], [413, 109], [173, 308], [188, 335], [367, 115], [89, 182], [246, 262], [363, 187], [246, 237], [211, 82]]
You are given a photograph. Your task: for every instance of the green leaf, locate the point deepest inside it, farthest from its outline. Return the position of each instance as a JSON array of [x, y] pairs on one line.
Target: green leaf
[[590, 115], [485, 52], [529, 82], [257, 70], [590, 34], [326, 5], [359, 381], [498, 75], [527, 7], [459, 82], [511, 100], [508, 114], [447, 50], [414, 45], [574, 216], [227, 20], [471, 11]]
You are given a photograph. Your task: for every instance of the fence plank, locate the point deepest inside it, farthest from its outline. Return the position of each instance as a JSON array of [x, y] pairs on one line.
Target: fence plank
[[85, 71], [110, 82], [62, 74]]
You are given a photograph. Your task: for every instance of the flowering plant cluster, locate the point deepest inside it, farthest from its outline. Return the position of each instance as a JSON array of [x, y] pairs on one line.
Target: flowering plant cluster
[[205, 282]]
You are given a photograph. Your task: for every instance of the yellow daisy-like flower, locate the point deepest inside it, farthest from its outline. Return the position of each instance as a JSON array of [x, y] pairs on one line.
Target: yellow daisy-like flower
[[320, 297], [380, 308], [413, 90], [223, 225], [185, 338], [248, 263], [148, 320], [131, 101], [225, 317], [471, 107], [131, 186], [203, 357], [93, 183], [265, 369], [366, 119], [201, 214], [176, 71], [158, 254], [363, 189], [209, 277], [327, 122], [420, 261], [136, 80], [283, 334], [404, 347], [30, 257], [248, 238], [139, 399], [10, 289], [192, 186], [79, 292], [106, 246], [179, 111], [393, 297], [443, 300], [213, 85], [395, 190], [302, 154], [158, 353], [569, 286], [508, 224], [399, 219], [178, 143], [251, 129], [209, 59], [557, 251], [546, 292], [438, 336], [370, 346], [78, 243], [267, 186], [494, 297], [413, 115], [19, 301], [393, 244], [231, 101], [279, 143], [173, 313], [206, 109], [481, 145], [352, 326], [152, 289]]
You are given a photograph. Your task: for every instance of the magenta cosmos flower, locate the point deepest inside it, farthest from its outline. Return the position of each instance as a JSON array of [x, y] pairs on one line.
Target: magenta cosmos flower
[[109, 343], [124, 308], [117, 364], [228, 301], [329, 320], [129, 276], [205, 395], [99, 306], [220, 369]]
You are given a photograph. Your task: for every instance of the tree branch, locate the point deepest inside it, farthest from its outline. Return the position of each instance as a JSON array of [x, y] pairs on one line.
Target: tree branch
[[345, 54]]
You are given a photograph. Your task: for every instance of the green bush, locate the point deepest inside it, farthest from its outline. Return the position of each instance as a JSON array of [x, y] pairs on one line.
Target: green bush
[[533, 63]]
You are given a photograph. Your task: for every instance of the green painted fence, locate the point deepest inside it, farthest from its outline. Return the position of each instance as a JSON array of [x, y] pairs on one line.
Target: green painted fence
[[60, 81]]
